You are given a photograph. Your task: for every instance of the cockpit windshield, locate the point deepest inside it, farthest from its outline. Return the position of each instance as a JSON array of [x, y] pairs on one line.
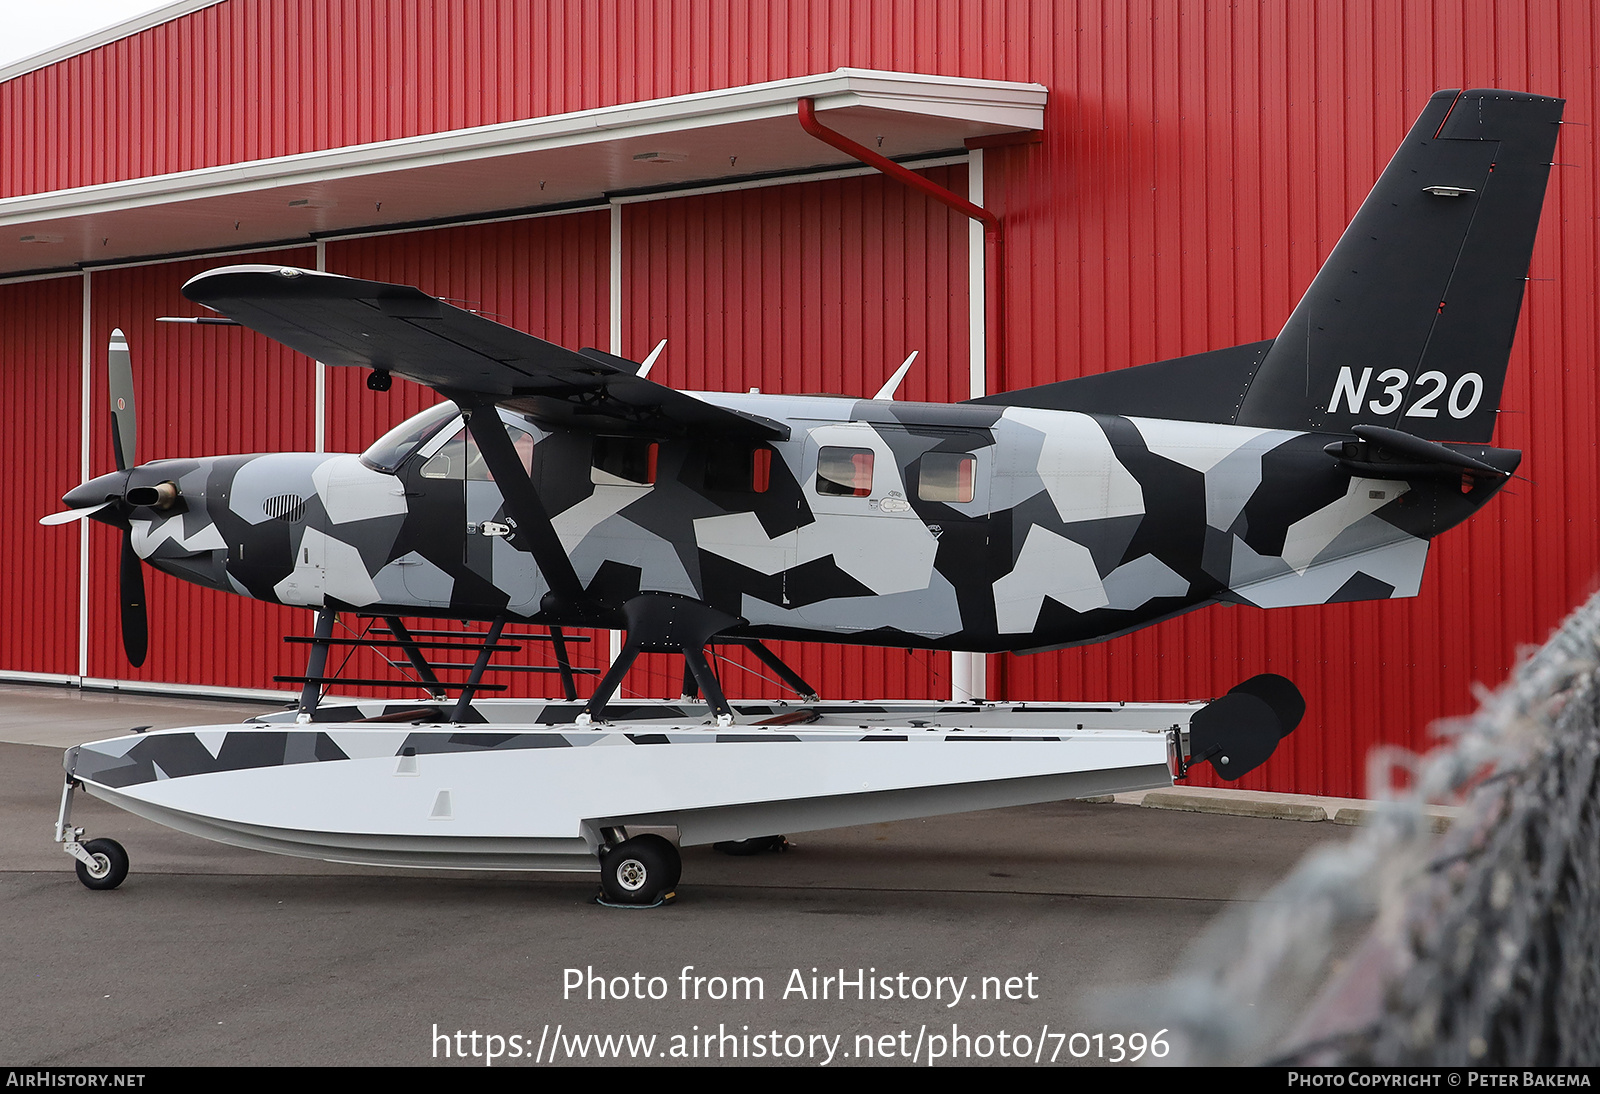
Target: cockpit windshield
[[389, 451]]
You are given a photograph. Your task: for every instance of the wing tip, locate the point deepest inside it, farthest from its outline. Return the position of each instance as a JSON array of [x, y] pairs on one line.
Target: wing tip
[[258, 277]]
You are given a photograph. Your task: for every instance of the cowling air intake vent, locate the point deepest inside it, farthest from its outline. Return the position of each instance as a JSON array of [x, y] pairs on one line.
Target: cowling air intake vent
[[286, 507]]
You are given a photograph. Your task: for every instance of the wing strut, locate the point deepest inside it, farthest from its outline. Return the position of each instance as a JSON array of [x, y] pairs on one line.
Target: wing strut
[[653, 621], [522, 503]]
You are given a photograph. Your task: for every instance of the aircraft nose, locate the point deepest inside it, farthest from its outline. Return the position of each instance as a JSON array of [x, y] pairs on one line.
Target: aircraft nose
[[96, 499], [97, 490], [113, 498]]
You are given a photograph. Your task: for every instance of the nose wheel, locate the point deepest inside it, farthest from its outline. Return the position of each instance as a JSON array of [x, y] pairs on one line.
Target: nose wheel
[[106, 866], [101, 863]]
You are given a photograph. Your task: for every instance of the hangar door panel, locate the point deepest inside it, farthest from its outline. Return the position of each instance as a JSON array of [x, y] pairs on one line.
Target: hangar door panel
[[807, 288]]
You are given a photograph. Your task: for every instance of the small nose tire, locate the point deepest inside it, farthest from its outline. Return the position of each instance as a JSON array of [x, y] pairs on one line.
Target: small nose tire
[[110, 866], [642, 870]]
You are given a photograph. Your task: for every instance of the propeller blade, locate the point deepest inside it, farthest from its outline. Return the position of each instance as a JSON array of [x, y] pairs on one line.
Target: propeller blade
[[124, 429], [135, 627], [70, 515]]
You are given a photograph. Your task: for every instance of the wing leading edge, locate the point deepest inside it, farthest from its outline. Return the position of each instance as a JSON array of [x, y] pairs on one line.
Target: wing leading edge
[[399, 329]]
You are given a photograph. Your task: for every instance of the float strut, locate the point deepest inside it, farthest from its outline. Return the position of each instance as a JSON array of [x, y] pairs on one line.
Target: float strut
[[413, 654], [569, 686], [806, 692], [316, 664], [667, 623], [475, 677]]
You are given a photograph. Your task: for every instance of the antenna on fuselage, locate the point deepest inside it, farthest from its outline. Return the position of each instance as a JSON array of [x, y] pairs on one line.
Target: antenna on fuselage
[[887, 390], [644, 366]]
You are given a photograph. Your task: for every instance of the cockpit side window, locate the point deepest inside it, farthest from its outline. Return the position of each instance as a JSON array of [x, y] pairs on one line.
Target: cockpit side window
[[389, 451], [460, 458]]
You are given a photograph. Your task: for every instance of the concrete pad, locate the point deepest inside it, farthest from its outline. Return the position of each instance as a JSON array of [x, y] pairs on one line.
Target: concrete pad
[[34, 714], [1189, 801], [1440, 818], [1263, 803]]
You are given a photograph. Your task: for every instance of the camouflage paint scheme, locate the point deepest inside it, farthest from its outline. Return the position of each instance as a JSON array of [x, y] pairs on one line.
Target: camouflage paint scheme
[[1081, 527]]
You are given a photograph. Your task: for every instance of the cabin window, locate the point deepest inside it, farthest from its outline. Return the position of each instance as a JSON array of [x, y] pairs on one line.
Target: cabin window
[[737, 469], [460, 458], [844, 472], [946, 476], [624, 461]]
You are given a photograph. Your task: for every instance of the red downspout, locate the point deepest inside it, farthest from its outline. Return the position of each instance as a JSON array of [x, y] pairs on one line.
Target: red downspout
[[993, 342]]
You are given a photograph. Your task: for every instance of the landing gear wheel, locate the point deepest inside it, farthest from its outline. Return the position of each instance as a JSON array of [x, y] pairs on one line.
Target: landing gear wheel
[[642, 870], [110, 864]]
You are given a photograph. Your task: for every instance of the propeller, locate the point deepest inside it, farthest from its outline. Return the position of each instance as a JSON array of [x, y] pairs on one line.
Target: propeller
[[124, 441], [109, 497]]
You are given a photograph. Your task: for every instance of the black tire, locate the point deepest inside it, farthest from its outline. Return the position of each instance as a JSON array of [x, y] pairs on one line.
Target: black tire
[[641, 870], [111, 865]]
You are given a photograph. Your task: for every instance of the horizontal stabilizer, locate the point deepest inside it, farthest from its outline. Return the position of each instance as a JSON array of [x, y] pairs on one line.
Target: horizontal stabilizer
[[1381, 452]]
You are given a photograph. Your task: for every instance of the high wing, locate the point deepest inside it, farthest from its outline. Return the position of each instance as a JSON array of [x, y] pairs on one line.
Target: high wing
[[399, 329]]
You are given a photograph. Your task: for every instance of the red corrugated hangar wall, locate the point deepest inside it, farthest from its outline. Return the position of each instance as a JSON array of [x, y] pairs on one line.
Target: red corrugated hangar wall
[[1196, 163]]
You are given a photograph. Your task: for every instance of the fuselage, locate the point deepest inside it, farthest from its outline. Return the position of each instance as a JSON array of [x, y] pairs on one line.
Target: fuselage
[[963, 526]]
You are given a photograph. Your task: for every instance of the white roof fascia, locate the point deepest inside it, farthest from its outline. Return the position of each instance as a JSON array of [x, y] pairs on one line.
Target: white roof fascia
[[103, 37], [1009, 105]]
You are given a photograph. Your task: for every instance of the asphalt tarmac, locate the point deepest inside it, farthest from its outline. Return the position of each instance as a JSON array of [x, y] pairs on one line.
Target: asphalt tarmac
[[875, 944]]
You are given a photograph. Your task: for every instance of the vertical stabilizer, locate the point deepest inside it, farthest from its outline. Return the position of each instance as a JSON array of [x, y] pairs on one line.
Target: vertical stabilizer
[[1409, 323]]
